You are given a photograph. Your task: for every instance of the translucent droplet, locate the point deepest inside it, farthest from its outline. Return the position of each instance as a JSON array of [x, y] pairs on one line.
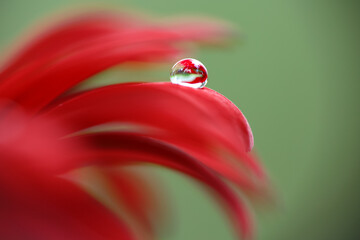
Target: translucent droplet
[[189, 72]]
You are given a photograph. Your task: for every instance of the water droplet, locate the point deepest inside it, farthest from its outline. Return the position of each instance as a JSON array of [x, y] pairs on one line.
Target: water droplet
[[189, 72]]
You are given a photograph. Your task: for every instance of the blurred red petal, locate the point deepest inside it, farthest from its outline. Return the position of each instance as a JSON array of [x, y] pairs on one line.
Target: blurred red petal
[[73, 52], [127, 148], [57, 209], [132, 194], [53, 208], [36, 202], [66, 36], [35, 90]]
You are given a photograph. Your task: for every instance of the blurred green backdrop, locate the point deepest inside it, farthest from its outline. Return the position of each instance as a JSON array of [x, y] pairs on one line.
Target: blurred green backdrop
[[295, 77]]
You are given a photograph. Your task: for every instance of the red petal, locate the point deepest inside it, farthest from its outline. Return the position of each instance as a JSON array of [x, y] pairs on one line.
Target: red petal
[[35, 90], [37, 203], [202, 122], [141, 198], [66, 37], [75, 51], [54, 208], [125, 148], [90, 28]]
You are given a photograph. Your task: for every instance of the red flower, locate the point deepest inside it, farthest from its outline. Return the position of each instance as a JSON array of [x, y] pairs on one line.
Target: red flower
[[51, 140]]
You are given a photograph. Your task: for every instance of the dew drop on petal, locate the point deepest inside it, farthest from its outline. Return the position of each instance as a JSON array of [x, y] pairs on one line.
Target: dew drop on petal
[[189, 72]]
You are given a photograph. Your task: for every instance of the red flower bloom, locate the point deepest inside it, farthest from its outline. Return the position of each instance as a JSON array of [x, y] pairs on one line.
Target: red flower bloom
[[50, 140]]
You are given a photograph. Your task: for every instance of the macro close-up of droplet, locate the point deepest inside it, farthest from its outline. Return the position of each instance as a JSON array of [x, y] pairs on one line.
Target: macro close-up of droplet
[[189, 72]]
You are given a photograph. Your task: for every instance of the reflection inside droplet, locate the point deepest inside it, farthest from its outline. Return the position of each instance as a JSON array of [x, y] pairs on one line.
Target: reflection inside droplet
[[189, 72]]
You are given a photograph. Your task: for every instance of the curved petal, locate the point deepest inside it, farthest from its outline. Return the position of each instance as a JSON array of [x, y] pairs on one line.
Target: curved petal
[[35, 90], [56, 209], [134, 195], [69, 36], [35, 201], [201, 122], [107, 149], [75, 51], [89, 28]]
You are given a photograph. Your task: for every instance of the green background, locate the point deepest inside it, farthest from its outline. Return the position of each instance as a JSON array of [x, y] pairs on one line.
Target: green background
[[295, 76]]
